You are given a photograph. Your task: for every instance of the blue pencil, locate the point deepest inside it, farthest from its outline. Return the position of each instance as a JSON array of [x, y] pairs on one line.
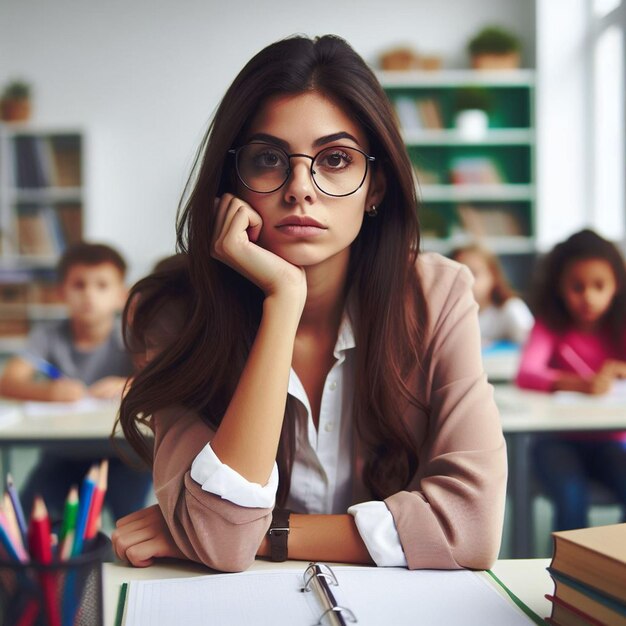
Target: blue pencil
[[17, 507], [84, 504], [43, 366]]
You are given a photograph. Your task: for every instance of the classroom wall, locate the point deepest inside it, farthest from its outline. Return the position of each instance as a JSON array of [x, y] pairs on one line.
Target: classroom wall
[[142, 78]]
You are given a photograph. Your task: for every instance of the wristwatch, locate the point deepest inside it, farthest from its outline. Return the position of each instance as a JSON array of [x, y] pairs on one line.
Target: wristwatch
[[278, 534]]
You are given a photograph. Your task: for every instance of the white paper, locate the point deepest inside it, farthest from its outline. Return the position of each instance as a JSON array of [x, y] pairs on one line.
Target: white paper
[[273, 598], [54, 409], [9, 415], [617, 396]]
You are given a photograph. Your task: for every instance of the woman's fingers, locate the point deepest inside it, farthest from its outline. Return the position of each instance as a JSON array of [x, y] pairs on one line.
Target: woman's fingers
[[146, 513]]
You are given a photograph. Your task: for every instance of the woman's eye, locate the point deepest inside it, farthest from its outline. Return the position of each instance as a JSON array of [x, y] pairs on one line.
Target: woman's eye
[[337, 159], [269, 158]]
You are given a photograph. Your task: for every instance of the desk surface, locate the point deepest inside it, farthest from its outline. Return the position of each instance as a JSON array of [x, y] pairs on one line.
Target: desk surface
[[531, 411], [94, 424], [527, 579]]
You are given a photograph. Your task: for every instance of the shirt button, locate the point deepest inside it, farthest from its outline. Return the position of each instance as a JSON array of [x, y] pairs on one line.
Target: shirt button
[[333, 386], [328, 427]]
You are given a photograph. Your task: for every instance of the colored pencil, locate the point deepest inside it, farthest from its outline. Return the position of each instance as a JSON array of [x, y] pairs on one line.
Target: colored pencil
[[41, 551], [17, 507], [11, 522], [84, 504], [576, 362], [70, 513], [93, 520], [13, 551]]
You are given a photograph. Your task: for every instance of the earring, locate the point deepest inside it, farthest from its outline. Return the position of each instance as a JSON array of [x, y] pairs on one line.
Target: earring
[[372, 211]]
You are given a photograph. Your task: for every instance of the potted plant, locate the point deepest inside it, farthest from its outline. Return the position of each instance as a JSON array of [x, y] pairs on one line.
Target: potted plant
[[15, 102], [472, 105], [495, 47]]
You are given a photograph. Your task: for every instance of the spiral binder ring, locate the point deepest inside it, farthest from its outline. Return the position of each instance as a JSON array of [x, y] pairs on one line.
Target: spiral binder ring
[[330, 576], [338, 609]]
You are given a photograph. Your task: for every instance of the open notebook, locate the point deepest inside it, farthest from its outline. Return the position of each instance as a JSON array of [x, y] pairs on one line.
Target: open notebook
[[363, 595]]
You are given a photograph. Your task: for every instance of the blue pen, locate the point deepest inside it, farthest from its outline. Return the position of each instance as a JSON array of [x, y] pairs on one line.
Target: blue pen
[[84, 504], [43, 366]]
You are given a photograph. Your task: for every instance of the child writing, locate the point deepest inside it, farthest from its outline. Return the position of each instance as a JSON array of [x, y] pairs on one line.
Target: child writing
[[83, 355], [324, 367], [578, 343], [502, 316]]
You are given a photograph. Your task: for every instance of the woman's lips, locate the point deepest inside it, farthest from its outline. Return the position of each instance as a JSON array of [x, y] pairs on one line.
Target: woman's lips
[[300, 226]]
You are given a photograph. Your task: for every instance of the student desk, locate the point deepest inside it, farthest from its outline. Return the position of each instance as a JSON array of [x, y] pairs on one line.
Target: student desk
[[527, 579], [524, 413], [82, 431]]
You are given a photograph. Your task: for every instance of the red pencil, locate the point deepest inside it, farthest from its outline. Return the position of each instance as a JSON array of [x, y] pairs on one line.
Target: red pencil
[[93, 520], [41, 551]]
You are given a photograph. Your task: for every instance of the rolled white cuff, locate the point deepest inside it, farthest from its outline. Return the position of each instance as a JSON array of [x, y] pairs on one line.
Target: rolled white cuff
[[375, 524], [218, 478]]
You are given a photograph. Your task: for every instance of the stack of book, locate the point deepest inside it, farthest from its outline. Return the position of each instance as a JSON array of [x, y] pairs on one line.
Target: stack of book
[[589, 572]]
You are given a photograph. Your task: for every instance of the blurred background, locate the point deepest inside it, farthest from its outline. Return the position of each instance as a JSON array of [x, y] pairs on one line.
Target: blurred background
[[512, 110]]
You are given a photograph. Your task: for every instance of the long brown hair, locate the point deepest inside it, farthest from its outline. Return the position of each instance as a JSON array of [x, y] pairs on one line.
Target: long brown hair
[[202, 369]]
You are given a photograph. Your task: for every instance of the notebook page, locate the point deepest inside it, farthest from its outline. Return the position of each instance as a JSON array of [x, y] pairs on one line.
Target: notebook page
[[615, 397], [267, 598], [273, 598], [55, 409]]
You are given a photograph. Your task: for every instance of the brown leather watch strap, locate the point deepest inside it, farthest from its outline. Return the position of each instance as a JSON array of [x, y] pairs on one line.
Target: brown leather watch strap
[[279, 534]]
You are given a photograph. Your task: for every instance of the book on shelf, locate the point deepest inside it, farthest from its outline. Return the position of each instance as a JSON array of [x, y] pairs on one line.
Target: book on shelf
[[46, 230], [430, 113], [587, 600], [475, 170], [490, 221], [593, 556], [418, 113], [46, 161]]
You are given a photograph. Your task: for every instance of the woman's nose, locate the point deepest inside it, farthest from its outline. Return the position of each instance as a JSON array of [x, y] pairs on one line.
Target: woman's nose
[[300, 188]]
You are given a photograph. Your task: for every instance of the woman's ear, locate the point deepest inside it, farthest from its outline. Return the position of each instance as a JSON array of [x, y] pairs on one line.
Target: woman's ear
[[377, 188]]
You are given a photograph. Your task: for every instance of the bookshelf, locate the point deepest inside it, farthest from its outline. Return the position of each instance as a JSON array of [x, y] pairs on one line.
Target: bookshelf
[[41, 212], [471, 187]]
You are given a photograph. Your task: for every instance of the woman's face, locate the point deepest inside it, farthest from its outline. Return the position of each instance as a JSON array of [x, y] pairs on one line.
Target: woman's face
[[588, 287], [306, 124], [483, 278]]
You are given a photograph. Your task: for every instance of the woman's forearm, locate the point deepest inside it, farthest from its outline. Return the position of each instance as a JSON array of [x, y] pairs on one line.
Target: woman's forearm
[[247, 438], [323, 538]]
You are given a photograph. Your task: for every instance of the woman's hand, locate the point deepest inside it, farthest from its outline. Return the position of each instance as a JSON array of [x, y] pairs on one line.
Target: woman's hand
[[598, 385], [614, 369], [238, 227], [142, 536]]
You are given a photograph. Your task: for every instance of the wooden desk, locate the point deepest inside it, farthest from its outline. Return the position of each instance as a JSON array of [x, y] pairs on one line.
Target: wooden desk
[[524, 413], [527, 579]]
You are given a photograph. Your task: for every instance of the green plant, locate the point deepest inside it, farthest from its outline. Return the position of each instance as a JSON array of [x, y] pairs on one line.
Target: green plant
[[472, 98], [494, 40], [16, 90]]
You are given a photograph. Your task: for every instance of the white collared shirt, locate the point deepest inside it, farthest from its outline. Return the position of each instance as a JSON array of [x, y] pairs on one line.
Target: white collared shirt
[[321, 480]]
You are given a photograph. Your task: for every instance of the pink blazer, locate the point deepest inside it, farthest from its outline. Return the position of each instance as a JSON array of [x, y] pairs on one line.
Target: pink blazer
[[451, 514]]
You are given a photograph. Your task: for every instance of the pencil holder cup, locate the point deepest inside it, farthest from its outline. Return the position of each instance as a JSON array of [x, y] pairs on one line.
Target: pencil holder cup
[[63, 593]]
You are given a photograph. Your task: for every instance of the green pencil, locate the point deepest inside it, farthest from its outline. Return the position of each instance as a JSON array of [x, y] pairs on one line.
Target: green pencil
[[70, 512]]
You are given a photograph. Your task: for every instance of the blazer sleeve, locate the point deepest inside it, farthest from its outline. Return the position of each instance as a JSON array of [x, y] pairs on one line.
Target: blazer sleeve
[[206, 527], [534, 370], [454, 518]]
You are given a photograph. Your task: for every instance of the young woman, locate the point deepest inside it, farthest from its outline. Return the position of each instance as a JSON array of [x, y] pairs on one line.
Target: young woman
[[578, 343], [502, 316], [323, 366]]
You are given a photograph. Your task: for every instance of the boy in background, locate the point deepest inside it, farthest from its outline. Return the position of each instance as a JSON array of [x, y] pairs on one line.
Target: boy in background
[[78, 357]]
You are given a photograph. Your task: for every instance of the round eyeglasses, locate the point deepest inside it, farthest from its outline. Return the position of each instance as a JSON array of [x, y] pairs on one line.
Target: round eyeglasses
[[336, 170]]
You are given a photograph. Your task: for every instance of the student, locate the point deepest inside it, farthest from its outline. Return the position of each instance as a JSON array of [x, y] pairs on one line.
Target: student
[[324, 367], [502, 316], [578, 343], [81, 356]]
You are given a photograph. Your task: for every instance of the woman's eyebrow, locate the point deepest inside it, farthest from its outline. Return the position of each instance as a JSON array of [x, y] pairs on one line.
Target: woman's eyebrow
[[334, 137], [265, 138]]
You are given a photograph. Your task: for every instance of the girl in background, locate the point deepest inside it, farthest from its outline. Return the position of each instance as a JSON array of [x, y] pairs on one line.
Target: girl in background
[[578, 343], [502, 316], [324, 396]]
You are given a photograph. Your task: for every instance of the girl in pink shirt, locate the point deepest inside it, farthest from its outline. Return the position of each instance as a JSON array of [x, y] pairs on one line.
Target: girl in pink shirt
[[578, 344]]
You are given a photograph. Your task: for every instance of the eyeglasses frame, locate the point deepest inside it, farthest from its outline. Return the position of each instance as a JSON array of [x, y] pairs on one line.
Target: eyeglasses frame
[[235, 152]]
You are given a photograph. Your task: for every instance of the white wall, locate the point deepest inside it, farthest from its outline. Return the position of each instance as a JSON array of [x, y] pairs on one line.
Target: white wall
[[142, 78]]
